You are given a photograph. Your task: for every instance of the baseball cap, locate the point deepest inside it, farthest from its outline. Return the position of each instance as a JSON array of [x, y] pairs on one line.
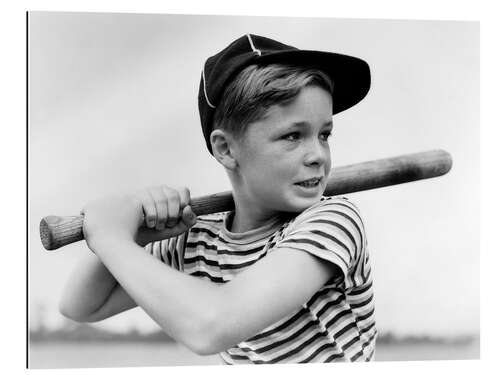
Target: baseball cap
[[350, 75]]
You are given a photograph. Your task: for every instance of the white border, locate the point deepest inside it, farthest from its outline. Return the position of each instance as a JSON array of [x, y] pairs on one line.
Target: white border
[[13, 159]]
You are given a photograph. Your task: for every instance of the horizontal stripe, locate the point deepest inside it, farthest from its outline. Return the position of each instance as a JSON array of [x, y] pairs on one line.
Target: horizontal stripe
[[240, 252], [336, 321], [319, 351], [205, 231], [349, 218], [333, 357], [336, 318], [367, 328], [345, 329], [215, 279], [336, 240], [281, 327], [363, 317], [324, 293], [201, 244], [350, 343], [337, 225], [330, 304], [214, 263], [365, 288], [363, 303], [350, 207], [277, 343], [201, 258], [361, 351], [296, 241], [244, 245], [241, 265], [210, 220], [289, 353]]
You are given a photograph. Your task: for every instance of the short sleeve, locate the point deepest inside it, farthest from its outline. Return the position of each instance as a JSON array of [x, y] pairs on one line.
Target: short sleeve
[[331, 230], [170, 251]]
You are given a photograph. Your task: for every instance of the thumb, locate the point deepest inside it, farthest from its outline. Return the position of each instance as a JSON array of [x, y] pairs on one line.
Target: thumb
[[187, 220], [188, 216]]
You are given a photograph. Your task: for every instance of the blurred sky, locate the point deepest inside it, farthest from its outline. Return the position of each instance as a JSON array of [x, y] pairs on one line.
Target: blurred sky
[[113, 108]]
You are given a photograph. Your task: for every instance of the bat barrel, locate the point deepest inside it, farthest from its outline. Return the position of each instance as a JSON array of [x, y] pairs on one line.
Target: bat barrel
[[389, 171], [57, 231]]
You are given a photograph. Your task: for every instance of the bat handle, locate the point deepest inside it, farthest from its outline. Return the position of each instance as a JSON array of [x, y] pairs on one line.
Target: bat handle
[[57, 231]]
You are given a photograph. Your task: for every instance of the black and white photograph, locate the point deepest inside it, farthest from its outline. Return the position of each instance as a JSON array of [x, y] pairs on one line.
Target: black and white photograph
[[236, 190]]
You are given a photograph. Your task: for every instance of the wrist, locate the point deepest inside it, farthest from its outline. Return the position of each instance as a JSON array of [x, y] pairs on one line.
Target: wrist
[[109, 242]]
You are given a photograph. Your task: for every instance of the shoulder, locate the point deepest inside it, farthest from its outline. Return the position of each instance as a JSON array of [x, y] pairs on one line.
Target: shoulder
[[334, 218], [331, 229]]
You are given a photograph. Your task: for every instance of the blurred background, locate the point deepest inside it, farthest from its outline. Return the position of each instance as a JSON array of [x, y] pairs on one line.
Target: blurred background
[[113, 108]]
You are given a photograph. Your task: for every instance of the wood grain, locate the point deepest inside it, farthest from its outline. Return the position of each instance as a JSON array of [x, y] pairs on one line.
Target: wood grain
[[58, 231]]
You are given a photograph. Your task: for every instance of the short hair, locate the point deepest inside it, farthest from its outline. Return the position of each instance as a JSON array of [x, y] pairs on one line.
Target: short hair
[[257, 87]]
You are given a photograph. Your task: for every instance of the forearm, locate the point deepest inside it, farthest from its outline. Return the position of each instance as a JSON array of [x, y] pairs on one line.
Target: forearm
[[87, 289], [183, 306]]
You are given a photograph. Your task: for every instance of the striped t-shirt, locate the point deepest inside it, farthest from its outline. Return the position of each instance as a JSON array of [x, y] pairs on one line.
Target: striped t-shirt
[[336, 324]]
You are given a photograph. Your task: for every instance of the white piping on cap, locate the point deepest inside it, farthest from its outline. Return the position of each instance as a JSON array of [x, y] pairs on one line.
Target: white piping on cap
[[253, 47], [205, 88]]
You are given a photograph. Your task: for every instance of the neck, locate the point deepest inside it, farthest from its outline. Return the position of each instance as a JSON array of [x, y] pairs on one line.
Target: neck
[[249, 217]]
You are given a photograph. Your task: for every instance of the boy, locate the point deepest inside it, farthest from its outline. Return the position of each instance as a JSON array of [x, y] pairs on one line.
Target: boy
[[285, 277]]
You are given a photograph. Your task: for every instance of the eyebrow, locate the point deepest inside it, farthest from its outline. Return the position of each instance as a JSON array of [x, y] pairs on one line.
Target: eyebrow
[[304, 123]]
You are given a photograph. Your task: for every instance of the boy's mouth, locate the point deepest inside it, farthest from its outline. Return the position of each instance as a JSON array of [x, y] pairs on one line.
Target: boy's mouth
[[312, 182]]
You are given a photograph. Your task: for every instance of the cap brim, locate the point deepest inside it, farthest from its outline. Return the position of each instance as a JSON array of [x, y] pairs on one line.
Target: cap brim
[[350, 75]]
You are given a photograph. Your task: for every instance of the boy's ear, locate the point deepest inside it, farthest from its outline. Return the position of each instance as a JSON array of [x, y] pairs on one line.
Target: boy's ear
[[223, 148]]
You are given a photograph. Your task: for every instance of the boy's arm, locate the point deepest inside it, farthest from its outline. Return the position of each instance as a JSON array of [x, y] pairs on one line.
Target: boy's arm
[[208, 317], [92, 293], [205, 316]]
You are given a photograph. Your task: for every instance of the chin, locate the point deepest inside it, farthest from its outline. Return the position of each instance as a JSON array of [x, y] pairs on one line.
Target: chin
[[299, 204]]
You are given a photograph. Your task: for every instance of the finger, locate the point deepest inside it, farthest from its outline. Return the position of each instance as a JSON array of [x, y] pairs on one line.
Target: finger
[[188, 217], [160, 201], [173, 206], [185, 197], [149, 208]]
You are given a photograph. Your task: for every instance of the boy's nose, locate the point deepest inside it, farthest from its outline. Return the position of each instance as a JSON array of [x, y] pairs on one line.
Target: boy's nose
[[316, 154]]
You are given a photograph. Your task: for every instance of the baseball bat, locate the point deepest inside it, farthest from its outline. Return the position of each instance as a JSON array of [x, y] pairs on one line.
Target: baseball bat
[[57, 231]]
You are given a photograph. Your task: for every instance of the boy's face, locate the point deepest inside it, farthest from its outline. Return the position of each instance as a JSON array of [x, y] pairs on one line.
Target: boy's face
[[284, 158]]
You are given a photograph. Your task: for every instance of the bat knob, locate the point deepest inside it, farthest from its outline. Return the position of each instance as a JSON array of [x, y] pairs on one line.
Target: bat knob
[[57, 231]]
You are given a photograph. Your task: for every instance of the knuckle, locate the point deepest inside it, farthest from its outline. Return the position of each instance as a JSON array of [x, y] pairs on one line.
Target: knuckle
[[169, 192], [155, 191], [172, 221], [185, 192]]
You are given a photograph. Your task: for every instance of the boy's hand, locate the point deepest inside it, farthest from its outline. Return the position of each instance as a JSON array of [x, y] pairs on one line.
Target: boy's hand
[[166, 213], [111, 218], [151, 215]]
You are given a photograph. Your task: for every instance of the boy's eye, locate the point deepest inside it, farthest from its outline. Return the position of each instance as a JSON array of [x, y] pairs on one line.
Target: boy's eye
[[291, 136], [325, 135]]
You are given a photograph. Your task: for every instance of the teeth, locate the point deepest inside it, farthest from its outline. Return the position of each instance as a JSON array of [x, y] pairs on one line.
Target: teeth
[[310, 183]]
